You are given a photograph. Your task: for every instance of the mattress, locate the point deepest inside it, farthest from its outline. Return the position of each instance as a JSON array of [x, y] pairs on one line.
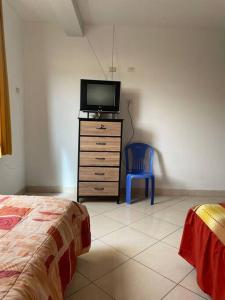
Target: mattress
[[203, 246], [40, 239]]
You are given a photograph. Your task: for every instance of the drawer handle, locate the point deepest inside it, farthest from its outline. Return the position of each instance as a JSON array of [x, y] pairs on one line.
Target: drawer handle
[[100, 158], [101, 174], [102, 127], [99, 189], [100, 143]]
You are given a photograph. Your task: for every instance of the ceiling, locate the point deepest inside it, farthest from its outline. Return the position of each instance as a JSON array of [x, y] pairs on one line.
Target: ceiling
[[34, 10], [170, 13], [64, 12]]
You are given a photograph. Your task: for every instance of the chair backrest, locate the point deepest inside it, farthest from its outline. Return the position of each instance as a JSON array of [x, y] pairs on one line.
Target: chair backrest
[[139, 158]]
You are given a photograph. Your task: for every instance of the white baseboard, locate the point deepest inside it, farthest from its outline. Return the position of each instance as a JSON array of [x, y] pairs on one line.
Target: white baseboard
[[21, 192], [50, 189], [184, 192], [181, 192], [159, 191]]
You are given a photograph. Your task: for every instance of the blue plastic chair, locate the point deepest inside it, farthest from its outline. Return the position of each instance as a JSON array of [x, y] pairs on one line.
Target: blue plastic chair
[[139, 165]]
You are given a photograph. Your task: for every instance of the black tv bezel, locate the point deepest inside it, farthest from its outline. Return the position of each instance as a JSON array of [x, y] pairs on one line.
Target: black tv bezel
[[95, 108]]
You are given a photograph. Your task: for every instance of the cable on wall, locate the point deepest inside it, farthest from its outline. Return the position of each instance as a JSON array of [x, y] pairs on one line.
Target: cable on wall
[[113, 46], [96, 56], [117, 55], [131, 121], [132, 134]]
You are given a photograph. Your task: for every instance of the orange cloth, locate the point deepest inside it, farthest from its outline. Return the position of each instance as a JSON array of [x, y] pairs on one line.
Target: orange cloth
[[5, 123], [202, 245]]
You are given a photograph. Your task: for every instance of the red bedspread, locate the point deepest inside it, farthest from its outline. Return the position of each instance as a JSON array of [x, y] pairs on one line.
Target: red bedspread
[[203, 246]]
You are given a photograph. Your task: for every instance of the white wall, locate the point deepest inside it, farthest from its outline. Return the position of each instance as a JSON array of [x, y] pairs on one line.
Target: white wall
[[12, 168], [177, 92]]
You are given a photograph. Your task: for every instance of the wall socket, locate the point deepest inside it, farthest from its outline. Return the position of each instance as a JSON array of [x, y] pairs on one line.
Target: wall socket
[[131, 69], [112, 69]]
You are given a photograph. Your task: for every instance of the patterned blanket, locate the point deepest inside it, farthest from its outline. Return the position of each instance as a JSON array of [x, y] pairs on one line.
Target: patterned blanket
[[40, 239]]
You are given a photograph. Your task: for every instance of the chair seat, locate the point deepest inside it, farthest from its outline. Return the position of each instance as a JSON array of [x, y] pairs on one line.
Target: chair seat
[[139, 175]]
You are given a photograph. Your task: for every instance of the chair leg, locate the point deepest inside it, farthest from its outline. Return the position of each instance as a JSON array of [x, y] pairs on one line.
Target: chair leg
[[146, 187], [128, 190], [152, 190]]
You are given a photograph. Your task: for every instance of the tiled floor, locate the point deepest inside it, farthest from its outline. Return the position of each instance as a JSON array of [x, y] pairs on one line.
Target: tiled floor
[[134, 253]]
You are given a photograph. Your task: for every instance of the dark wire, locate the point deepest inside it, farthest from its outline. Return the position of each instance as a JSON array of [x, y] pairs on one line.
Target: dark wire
[[131, 121], [132, 126], [97, 58]]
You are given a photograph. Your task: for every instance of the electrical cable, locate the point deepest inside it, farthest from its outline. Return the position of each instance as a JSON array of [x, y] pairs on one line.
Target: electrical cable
[[131, 121], [113, 45], [132, 135], [96, 56], [117, 56]]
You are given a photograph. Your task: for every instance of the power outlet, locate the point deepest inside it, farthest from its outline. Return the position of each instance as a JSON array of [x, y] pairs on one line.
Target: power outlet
[[131, 69], [112, 69]]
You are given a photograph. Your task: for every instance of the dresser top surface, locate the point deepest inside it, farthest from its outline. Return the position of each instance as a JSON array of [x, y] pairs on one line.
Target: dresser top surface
[[100, 120]]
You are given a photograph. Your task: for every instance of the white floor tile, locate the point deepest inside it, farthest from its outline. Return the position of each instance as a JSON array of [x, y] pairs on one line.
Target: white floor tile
[[165, 260], [128, 241], [171, 215], [78, 282], [180, 293], [101, 225], [132, 281], [165, 199], [190, 202], [174, 239], [91, 212], [190, 282], [155, 227], [159, 207], [186, 205], [125, 215], [161, 202], [100, 260], [90, 292], [100, 207]]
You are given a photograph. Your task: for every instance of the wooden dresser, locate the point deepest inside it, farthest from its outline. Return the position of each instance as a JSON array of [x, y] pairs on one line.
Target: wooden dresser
[[99, 158]]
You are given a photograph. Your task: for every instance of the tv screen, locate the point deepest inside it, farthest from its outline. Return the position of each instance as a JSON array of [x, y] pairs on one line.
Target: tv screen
[[99, 95]]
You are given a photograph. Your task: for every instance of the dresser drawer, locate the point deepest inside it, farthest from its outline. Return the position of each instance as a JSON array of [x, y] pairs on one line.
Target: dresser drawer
[[98, 128], [100, 159], [98, 188], [99, 143], [98, 174]]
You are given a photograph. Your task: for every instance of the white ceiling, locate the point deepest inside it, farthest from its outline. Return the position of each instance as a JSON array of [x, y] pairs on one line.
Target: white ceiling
[[63, 12], [34, 10], [188, 13], [170, 13]]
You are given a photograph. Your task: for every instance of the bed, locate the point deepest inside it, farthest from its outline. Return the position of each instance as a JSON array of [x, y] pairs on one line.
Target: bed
[[203, 246], [40, 239]]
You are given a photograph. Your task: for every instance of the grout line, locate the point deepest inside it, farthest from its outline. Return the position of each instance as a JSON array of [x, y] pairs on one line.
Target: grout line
[[83, 287], [193, 291], [140, 263], [178, 284], [103, 290], [99, 237], [108, 272], [130, 257]]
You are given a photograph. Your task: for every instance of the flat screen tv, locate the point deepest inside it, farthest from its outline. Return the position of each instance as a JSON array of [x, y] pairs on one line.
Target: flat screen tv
[[99, 95]]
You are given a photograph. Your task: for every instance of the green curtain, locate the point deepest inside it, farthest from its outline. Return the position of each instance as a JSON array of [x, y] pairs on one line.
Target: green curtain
[[5, 123]]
